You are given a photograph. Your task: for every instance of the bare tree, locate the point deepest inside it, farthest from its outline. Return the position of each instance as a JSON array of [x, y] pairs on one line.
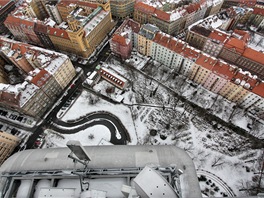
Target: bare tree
[[218, 161]]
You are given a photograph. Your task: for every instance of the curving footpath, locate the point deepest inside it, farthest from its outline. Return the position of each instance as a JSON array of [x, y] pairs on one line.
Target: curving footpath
[[218, 180], [96, 118]]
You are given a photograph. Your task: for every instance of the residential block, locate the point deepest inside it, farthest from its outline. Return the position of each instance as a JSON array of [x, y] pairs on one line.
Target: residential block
[[45, 75]]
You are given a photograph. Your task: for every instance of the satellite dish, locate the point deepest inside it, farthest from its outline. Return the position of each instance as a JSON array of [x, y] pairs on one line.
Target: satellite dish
[[76, 147]]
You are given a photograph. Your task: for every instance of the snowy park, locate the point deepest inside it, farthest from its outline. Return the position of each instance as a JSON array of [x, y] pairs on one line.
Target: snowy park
[[227, 162]]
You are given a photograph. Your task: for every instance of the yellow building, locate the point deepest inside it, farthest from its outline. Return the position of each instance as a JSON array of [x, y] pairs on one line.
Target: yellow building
[[63, 73], [8, 143], [233, 92], [143, 40], [88, 23]]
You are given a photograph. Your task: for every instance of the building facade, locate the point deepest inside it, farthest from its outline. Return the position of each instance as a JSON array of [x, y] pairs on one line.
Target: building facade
[[54, 13], [5, 8], [122, 8], [121, 42], [38, 6], [257, 18], [8, 143], [113, 78]]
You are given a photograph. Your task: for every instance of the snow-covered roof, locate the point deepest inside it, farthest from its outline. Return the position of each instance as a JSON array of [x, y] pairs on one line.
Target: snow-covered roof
[[47, 59], [116, 156], [92, 23]]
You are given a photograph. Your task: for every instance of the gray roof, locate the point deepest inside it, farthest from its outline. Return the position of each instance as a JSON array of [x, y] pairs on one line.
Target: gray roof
[[108, 157], [148, 31]]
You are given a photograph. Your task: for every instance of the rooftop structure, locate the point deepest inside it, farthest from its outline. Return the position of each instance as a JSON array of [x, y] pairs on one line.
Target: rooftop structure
[[114, 171]]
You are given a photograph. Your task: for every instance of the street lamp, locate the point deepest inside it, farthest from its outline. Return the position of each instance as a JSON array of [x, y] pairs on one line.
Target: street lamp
[[81, 156]]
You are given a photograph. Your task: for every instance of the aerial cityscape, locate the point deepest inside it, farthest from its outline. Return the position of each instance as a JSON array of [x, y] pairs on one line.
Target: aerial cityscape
[[131, 98]]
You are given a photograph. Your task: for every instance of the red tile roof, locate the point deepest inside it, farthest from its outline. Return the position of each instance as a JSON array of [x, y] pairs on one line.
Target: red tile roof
[[41, 78], [219, 36], [169, 42], [64, 3], [27, 23], [4, 2], [119, 39], [58, 32], [135, 26], [193, 7], [238, 45], [206, 61], [223, 70], [144, 8], [162, 15], [258, 11], [245, 35], [14, 21], [259, 90], [249, 3], [10, 98], [254, 55], [245, 78], [22, 47]]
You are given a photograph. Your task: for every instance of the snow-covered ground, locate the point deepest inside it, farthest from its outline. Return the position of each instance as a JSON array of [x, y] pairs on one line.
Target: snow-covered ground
[[153, 115]]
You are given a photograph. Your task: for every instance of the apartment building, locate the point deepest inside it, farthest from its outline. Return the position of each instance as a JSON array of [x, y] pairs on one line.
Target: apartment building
[[3, 75], [173, 18], [143, 39], [213, 7], [38, 6], [122, 8], [171, 23], [41, 30], [84, 27], [230, 3], [8, 143], [121, 42], [196, 11], [209, 35], [214, 74], [198, 33], [47, 75], [214, 43], [53, 12]]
